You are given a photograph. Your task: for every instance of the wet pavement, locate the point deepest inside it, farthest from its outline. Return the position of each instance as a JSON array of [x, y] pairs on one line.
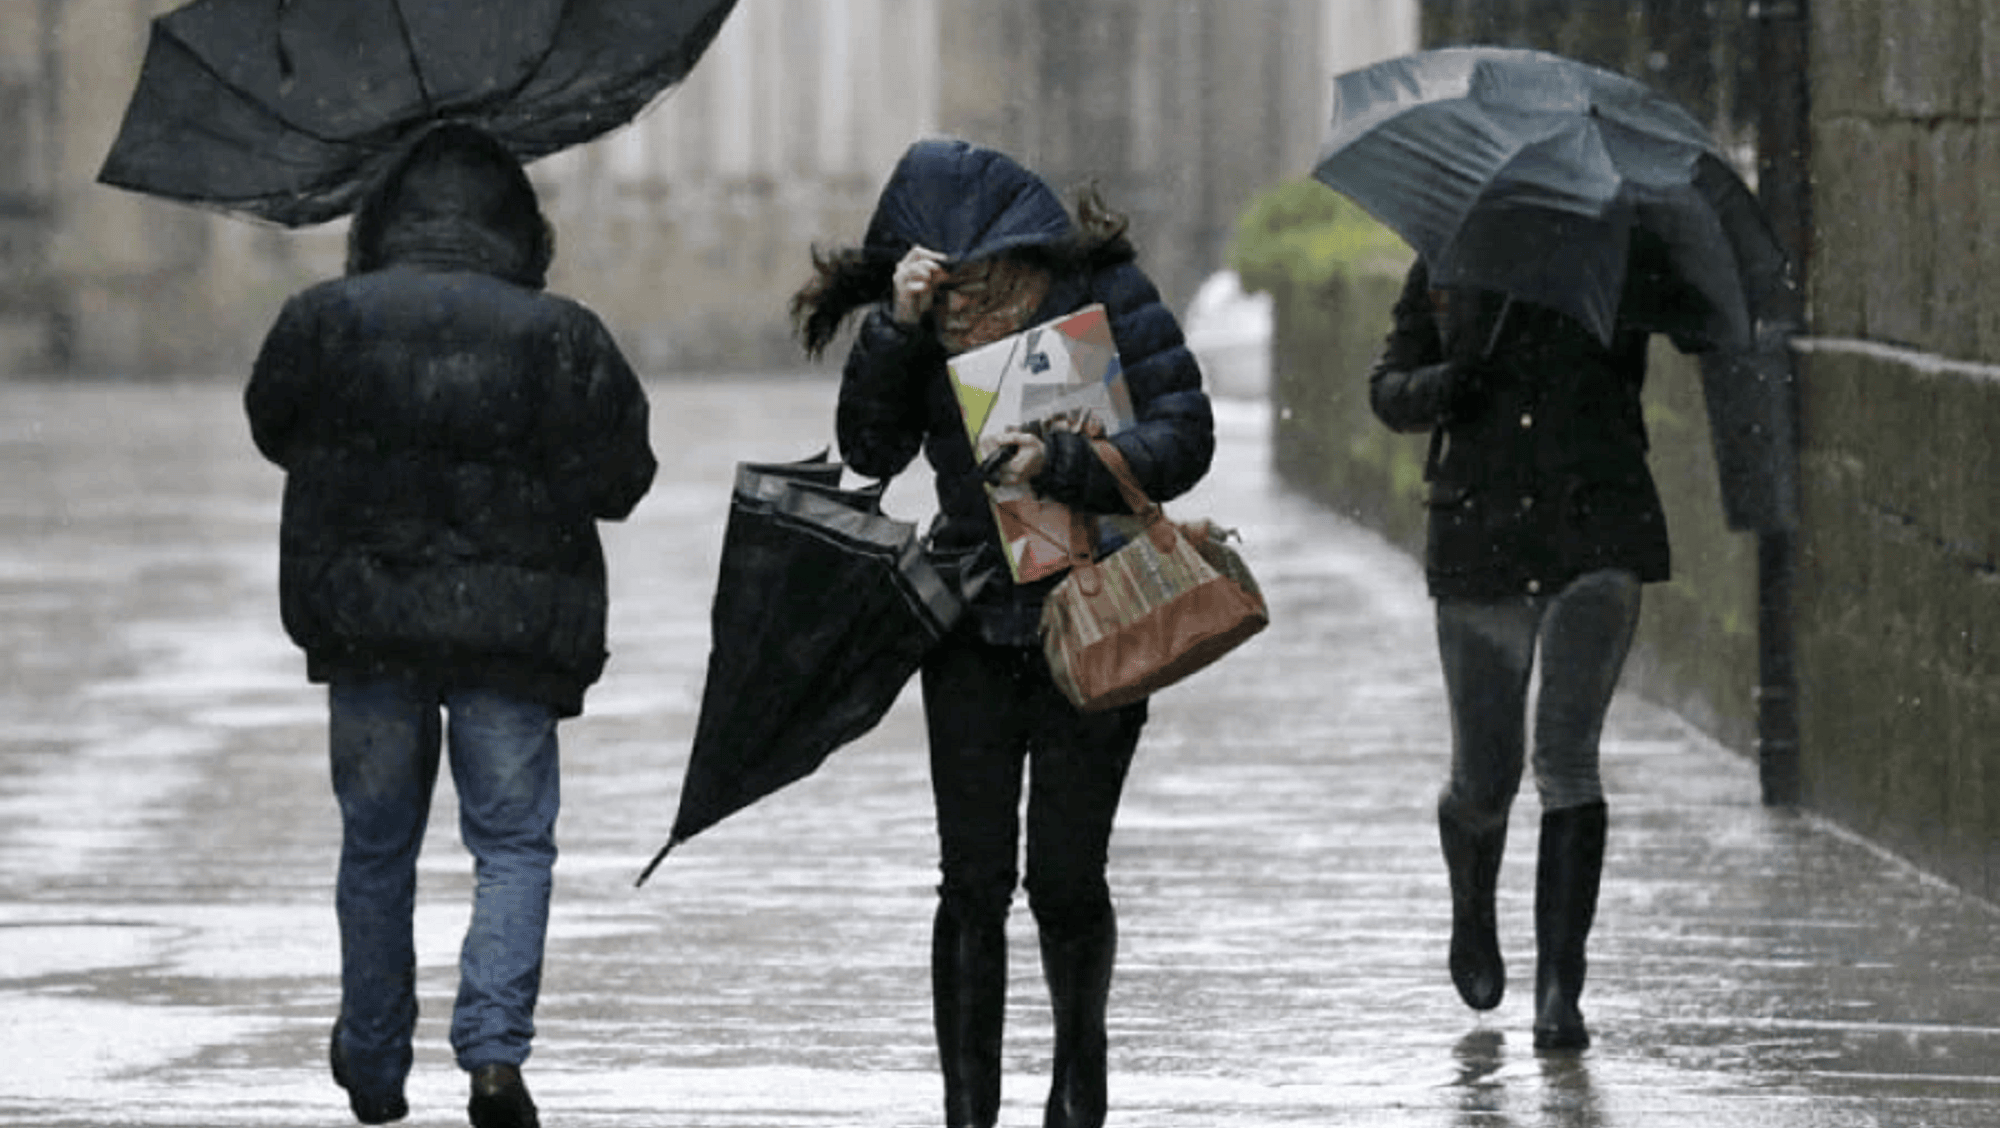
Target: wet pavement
[[167, 842]]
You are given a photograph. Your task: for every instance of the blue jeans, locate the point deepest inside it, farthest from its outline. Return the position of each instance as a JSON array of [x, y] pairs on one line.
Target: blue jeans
[[385, 737], [1488, 650]]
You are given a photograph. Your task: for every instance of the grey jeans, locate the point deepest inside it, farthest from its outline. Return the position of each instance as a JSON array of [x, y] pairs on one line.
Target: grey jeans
[[1584, 632]]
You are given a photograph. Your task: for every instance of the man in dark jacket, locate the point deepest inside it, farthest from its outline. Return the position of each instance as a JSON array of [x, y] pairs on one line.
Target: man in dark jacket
[[967, 246], [451, 433], [1544, 524]]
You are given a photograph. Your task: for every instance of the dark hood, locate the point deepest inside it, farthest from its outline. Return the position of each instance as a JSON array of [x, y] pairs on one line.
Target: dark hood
[[964, 201], [455, 200]]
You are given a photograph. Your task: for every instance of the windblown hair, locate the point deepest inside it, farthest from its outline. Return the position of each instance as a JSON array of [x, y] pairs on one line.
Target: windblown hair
[[848, 278]]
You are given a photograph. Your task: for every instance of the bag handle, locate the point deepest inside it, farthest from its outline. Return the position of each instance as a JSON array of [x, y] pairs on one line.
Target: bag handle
[[1142, 506]]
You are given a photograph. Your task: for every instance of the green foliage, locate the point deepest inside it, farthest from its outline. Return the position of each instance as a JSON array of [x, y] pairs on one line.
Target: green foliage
[[1303, 234]]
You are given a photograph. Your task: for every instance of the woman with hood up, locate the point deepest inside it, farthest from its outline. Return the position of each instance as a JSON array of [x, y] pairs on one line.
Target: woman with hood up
[[451, 433], [967, 246]]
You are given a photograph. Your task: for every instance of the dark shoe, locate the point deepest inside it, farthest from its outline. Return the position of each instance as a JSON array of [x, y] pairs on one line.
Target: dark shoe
[[1078, 970], [368, 1108], [969, 1005], [500, 1099], [1472, 855], [1568, 871]]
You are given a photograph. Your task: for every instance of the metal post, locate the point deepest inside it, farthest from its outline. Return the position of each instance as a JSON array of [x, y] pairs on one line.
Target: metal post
[[1785, 190]]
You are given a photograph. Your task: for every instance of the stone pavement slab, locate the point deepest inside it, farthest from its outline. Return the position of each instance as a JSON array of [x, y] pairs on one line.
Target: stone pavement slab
[[167, 841]]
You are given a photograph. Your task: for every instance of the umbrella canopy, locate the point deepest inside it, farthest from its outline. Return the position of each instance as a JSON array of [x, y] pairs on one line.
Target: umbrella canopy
[[824, 607], [1557, 183], [287, 109]]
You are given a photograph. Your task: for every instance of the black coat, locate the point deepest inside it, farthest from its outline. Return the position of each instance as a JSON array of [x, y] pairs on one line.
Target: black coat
[[1537, 468], [896, 395], [451, 434]]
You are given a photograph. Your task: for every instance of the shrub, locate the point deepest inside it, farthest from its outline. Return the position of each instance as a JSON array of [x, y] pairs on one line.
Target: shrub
[[1305, 235]]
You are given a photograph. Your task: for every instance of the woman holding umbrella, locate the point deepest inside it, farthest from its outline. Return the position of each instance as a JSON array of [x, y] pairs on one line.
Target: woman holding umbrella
[[1543, 525], [451, 434], [967, 246]]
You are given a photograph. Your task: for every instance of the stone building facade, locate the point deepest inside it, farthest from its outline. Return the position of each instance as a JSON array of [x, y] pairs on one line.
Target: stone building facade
[[689, 229]]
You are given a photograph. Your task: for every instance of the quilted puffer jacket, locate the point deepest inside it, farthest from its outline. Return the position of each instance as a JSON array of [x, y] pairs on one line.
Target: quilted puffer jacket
[[451, 433], [895, 398]]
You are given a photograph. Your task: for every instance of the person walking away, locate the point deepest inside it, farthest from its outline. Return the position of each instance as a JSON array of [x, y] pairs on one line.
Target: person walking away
[[1543, 525], [450, 433], [966, 246]]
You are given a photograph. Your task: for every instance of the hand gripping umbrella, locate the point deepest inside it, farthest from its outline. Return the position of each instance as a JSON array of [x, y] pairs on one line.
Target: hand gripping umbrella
[[824, 607], [287, 109], [1560, 184]]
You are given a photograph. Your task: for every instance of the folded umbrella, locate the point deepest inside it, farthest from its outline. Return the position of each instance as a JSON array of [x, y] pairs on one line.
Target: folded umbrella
[[1560, 184], [287, 109], [824, 608]]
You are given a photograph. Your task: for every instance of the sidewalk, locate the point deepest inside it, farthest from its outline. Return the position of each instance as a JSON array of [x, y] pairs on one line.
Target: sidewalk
[[167, 843]]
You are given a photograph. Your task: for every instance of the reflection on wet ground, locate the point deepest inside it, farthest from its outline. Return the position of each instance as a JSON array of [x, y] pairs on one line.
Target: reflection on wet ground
[[167, 844]]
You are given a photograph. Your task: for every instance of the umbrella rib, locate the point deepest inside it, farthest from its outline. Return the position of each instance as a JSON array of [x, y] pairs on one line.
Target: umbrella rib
[[416, 63], [249, 98]]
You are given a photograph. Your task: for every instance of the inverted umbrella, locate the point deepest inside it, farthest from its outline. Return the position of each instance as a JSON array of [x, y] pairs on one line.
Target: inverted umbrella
[[1557, 183], [287, 109], [824, 607]]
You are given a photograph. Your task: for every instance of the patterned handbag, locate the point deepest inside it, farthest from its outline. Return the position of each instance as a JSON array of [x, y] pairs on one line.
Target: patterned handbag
[[1168, 602]]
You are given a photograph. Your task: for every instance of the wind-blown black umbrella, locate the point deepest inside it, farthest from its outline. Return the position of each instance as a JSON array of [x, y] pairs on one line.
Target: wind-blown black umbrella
[[287, 109], [1560, 184], [824, 607]]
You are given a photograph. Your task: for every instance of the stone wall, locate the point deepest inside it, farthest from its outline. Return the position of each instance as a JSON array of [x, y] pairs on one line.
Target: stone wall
[[1899, 616]]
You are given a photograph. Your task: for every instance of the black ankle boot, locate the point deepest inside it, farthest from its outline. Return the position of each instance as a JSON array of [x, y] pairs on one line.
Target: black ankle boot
[[1078, 970], [1568, 870], [969, 1003], [1472, 855], [368, 1108], [500, 1099]]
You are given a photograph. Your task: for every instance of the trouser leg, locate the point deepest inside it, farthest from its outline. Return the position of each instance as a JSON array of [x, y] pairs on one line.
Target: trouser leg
[[505, 766], [977, 747], [1487, 650], [1586, 635], [384, 739], [1077, 774], [1586, 632]]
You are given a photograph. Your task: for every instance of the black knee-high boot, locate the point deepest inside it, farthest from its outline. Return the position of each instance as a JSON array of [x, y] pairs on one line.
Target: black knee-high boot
[[1078, 970], [1566, 881], [1472, 852], [969, 1003]]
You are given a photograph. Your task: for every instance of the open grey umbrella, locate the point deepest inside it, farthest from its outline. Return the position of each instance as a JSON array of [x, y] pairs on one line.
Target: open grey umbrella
[[824, 608], [287, 109], [1557, 183]]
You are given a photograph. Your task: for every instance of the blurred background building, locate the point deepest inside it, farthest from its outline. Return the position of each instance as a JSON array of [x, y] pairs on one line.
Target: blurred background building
[[689, 229]]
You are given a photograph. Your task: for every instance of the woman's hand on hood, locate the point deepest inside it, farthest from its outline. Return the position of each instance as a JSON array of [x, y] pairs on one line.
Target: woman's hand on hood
[[915, 284]]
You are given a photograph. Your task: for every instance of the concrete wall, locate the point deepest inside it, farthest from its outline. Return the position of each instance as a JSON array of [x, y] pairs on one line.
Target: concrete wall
[[1897, 606]]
